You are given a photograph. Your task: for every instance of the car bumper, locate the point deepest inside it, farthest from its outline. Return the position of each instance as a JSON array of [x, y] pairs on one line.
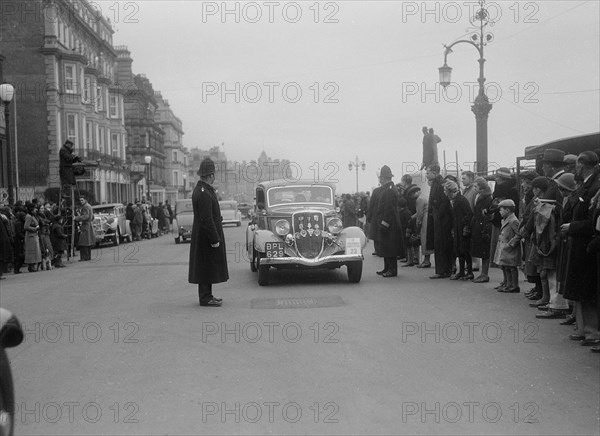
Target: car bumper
[[231, 221], [300, 261]]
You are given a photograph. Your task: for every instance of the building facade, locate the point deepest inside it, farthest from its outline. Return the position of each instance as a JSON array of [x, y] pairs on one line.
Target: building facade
[[61, 61]]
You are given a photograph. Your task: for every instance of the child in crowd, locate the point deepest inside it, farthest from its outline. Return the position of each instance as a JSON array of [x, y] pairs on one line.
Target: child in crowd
[[508, 250]]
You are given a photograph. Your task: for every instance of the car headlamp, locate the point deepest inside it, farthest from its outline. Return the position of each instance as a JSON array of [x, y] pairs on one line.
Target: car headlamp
[[334, 225], [282, 227]]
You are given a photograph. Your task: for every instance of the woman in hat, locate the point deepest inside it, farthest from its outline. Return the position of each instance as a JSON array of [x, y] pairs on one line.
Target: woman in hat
[[33, 254], [208, 258]]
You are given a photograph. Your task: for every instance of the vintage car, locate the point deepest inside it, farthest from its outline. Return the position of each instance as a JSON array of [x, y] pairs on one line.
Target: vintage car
[[230, 212], [110, 224], [183, 220], [297, 226], [11, 335], [245, 209]]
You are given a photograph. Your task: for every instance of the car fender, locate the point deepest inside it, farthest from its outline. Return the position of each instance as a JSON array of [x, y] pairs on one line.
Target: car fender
[[262, 236], [352, 232]]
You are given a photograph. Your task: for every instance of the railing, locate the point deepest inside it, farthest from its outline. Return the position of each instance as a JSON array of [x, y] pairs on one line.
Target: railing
[[95, 155]]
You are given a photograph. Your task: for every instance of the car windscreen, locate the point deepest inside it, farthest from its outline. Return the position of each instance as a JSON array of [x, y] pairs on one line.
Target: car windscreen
[[104, 210], [300, 194]]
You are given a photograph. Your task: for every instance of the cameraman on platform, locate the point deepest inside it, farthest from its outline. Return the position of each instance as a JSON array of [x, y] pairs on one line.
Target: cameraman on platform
[[67, 159]]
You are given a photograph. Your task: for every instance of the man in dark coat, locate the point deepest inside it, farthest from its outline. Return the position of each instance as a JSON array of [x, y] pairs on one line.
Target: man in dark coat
[[373, 219], [581, 275], [67, 159], [208, 257], [388, 226], [462, 215], [441, 237]]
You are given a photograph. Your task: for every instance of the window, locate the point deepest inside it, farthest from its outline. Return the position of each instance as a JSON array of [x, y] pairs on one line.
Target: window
[[70, 78], [101, 140], [114, 141], [99, 99], [87, 90], [114, 106], [72, 128], [175, 178], [89, 135], [174, 156]]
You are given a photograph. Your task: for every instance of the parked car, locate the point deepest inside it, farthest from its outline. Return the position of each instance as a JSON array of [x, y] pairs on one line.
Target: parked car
[[183, 220], [110, 224], [245, 209], [230, 212], [297, 226], [11, 335]]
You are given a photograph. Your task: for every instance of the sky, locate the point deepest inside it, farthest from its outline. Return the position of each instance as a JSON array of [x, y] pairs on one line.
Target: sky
[[323, 83]]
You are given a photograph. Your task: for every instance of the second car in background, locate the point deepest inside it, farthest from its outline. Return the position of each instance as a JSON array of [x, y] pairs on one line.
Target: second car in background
[[230, 212]]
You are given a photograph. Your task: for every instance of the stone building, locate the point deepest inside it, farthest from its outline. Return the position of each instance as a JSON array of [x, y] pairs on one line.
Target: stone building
[[60, 59]]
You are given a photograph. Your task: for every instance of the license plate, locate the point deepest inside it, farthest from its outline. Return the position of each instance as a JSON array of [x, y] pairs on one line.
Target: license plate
[[274, 249], [353, 246]]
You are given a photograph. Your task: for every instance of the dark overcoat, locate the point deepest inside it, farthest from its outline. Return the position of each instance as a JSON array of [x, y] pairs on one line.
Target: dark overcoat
[[65, 170], [372, 214], [481, 228], [390, 239], [348, 213], [580, 274], [87, 238], [58, 238], [439, 237], [6, 245], [462, 215], [207, 264]]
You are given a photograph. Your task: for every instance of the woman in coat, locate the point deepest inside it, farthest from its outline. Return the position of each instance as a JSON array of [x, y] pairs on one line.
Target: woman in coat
[[481, 229], [86, 232], [208, 257], [33, 254]]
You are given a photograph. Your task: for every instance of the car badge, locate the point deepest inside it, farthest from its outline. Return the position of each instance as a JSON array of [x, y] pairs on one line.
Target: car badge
[[309, 225], [301, 226], [303, 233], [310, 232], [317, 232], [316, 226]]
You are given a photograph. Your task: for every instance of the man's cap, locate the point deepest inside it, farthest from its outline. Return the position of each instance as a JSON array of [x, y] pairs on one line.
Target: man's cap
[[566, 181], [504, 173], [541, 182], [506, 203]]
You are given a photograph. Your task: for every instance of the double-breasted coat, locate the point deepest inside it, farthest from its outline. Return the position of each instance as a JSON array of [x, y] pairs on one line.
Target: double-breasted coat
[[33, 253], [86, 230], [508, 249], [481, 227], [390, 236], [207, 264], [373, 217], [6, 244], [462, 216], [580, 273]]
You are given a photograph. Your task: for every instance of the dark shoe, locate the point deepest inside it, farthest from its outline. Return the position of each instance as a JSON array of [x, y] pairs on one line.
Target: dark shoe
[[544, 308], [403, 259], [438, 276], [481, 279], [590, 342], [569, 321], [389, 274], [456, 276], [408, 264], [515, 290], [468, 276], [501, 285], [382, 272], [595, 349], [218, 299], [551, 314], [576, 337], [424, 265], [212, 303], [375, 253], [535, 297], [538, 303]]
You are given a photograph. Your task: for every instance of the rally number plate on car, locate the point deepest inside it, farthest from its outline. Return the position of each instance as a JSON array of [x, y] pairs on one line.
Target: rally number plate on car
[[274, 249]]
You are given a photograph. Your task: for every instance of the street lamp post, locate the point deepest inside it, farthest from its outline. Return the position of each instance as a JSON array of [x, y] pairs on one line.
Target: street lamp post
[[357, 165], [7, 92], [482, 106], [184, 186], [148, 160]]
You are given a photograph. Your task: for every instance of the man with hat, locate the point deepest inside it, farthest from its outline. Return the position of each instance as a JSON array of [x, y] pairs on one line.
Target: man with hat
[[580, 277], [553, 165], [439, 236], [208, 258], [67, 159], [389, 230]]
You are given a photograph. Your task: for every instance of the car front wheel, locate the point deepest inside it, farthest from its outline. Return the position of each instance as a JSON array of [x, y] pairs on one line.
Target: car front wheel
[[354, 271], [177, 240]]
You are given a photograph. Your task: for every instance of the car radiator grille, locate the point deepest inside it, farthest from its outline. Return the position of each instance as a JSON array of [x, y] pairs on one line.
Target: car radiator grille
[[308, 233]]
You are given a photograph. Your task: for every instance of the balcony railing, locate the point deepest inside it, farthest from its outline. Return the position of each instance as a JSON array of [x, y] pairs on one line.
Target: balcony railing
[[95, 155]]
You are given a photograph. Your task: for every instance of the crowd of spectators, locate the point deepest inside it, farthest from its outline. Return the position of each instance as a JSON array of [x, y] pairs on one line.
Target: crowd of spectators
[[37, 235]]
